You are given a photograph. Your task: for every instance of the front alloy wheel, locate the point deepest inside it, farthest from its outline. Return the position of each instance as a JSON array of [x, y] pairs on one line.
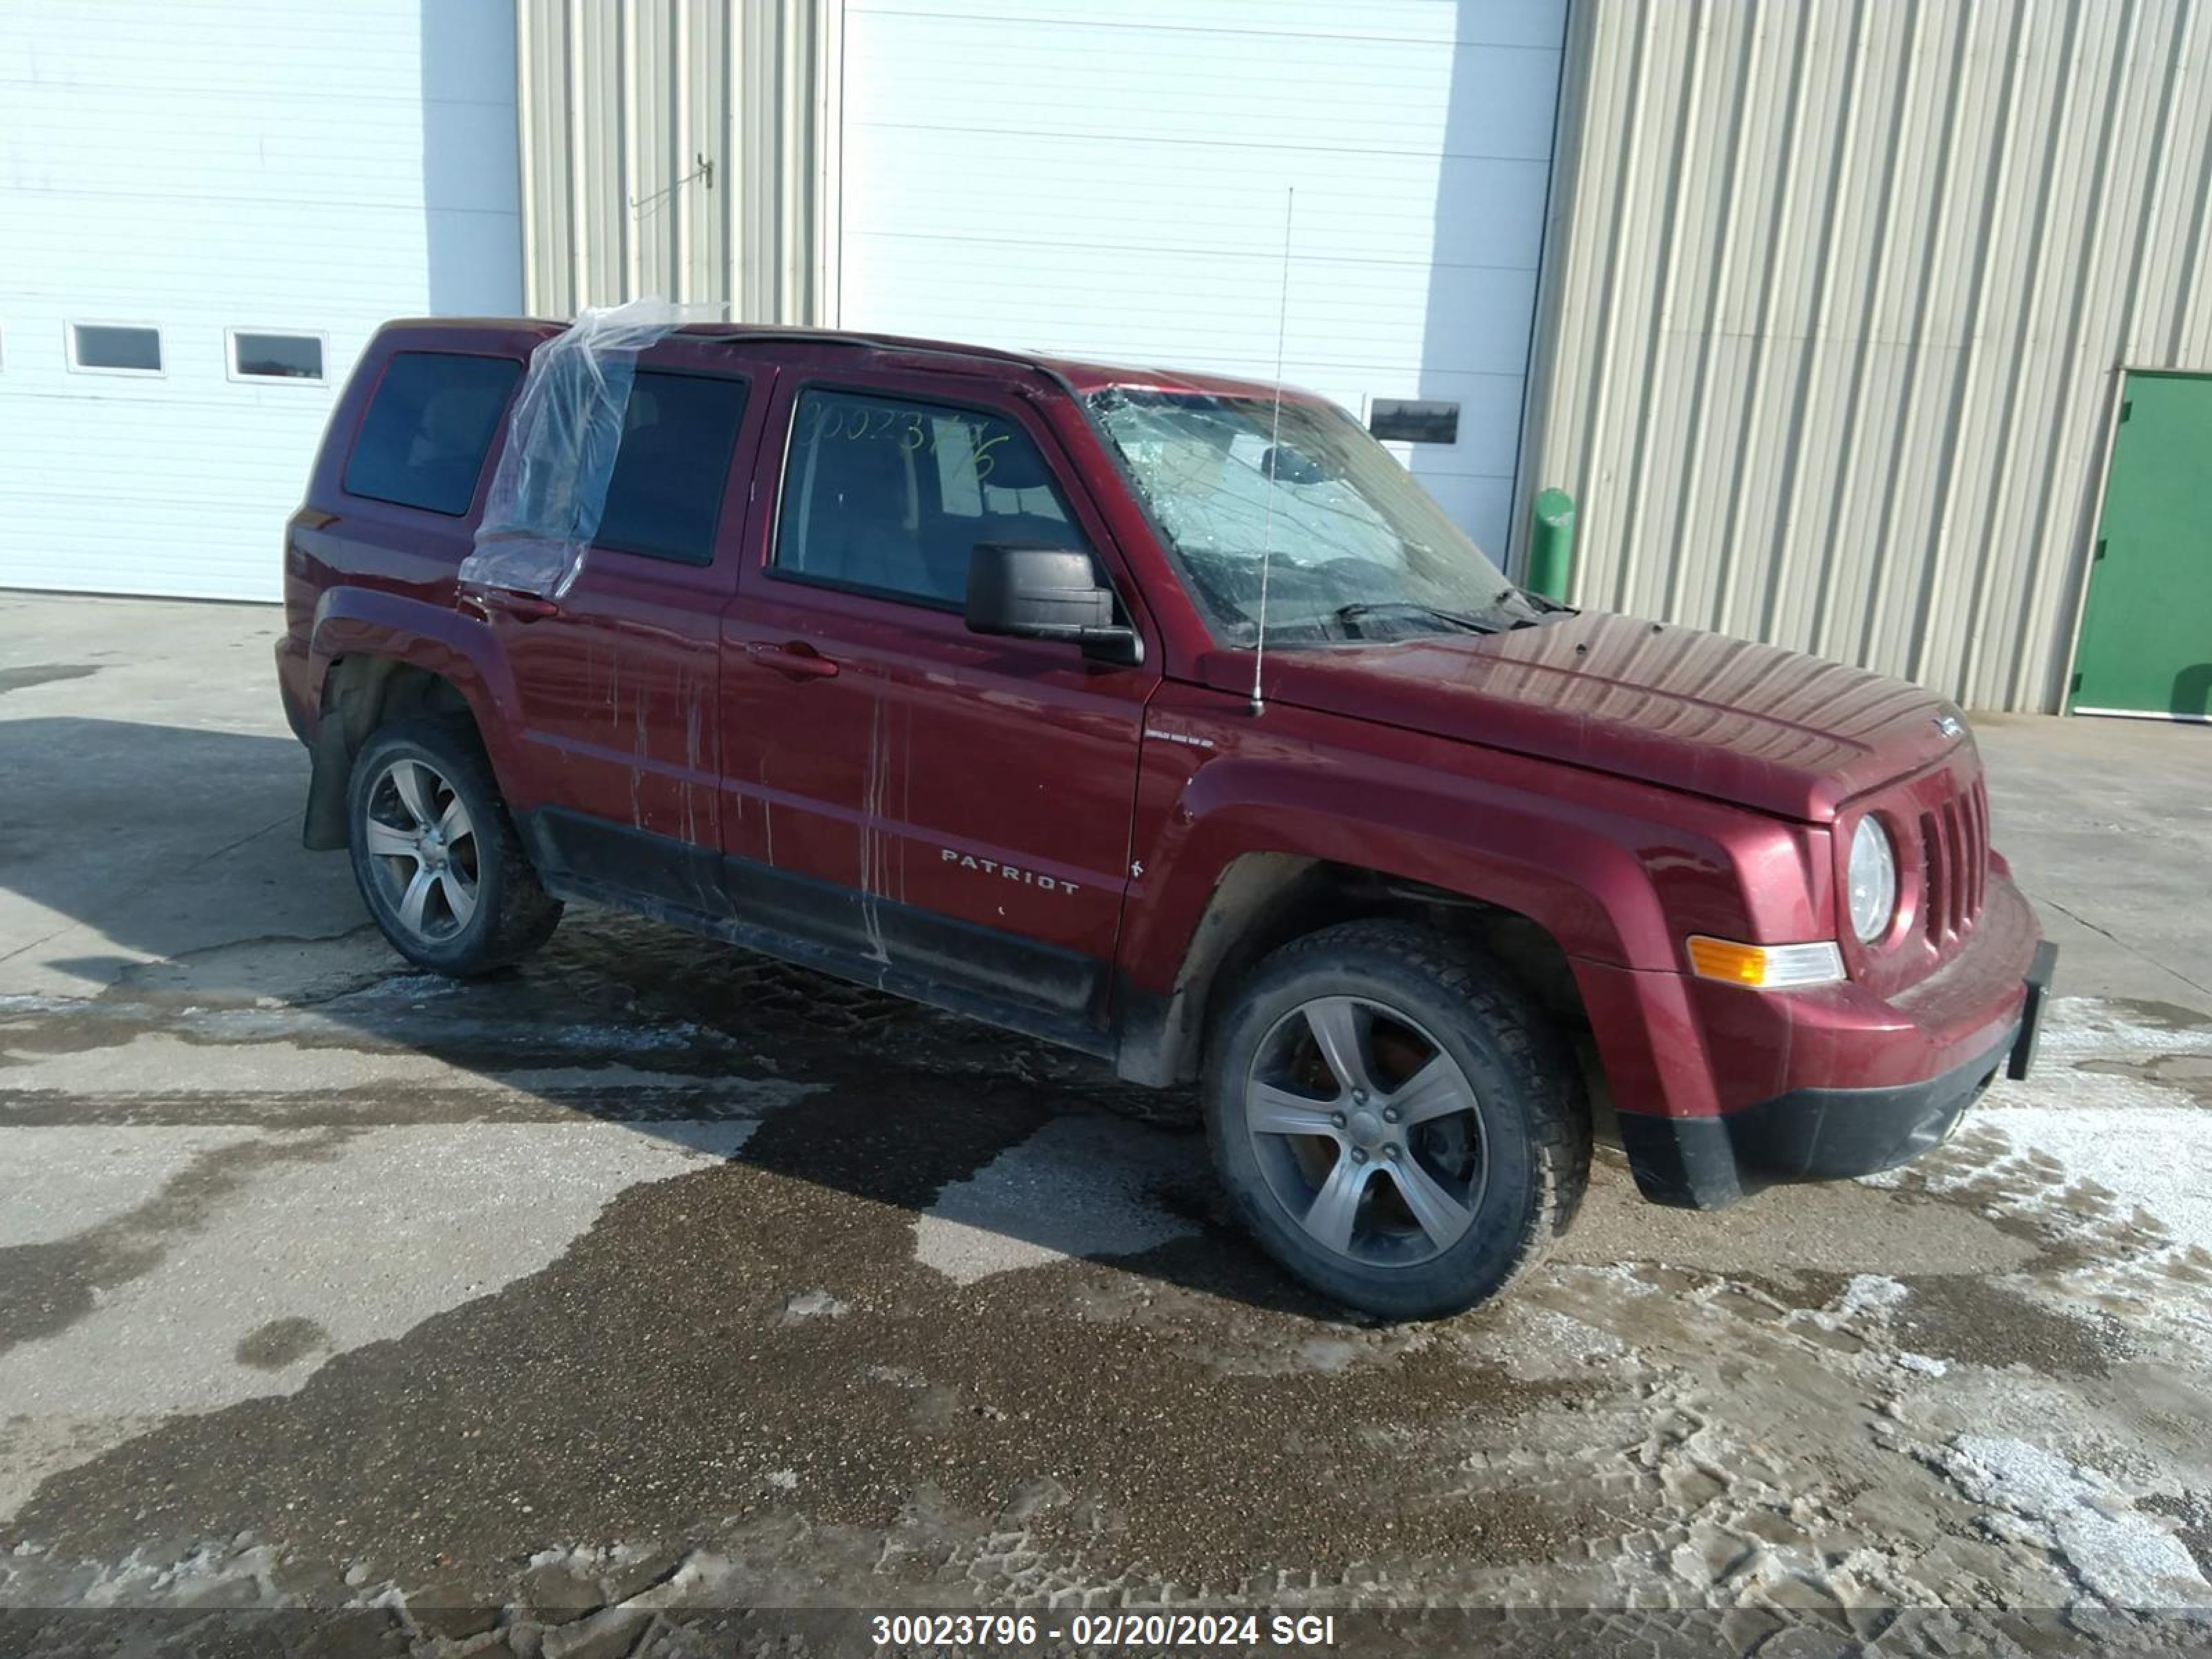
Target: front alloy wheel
[[1395, 1121], [1365, 1131]]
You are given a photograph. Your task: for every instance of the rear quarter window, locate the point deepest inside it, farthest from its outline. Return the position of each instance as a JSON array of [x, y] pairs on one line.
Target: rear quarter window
[[428, 427]]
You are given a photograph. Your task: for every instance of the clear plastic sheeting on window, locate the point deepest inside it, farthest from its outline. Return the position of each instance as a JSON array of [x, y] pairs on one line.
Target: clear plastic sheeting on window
[[550, 486]]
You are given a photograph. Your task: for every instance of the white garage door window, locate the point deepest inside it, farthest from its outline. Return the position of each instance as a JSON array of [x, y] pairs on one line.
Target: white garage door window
[[1107, 179]]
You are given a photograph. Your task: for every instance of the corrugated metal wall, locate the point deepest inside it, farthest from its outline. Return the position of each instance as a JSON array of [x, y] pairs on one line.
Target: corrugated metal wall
[[680, 147], [1837, 298]]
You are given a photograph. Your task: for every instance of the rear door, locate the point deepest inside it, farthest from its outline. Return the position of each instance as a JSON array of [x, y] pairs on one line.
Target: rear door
[[617, 682], [945, 812]]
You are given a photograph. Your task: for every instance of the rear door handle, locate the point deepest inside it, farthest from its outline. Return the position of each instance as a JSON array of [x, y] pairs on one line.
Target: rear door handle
[[797, 660], [524, 607]]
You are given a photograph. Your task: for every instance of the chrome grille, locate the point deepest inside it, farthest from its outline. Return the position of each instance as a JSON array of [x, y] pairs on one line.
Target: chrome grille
[[1955, 851]]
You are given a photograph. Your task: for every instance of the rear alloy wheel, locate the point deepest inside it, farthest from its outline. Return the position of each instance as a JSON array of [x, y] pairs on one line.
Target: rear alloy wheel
[[422, 847], [1395, 1123], [435, 855]]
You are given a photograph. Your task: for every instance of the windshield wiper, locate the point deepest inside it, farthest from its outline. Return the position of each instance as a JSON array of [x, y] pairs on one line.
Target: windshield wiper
[[1551, 607], [1353, 613]]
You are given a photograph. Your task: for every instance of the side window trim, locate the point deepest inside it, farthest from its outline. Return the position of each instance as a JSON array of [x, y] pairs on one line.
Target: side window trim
[[748, 389], [773, 570]]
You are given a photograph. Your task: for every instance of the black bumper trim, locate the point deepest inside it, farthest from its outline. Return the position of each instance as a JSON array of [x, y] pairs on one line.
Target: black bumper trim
[[2031, 1014], [1808, 1135], [1824, 1135]]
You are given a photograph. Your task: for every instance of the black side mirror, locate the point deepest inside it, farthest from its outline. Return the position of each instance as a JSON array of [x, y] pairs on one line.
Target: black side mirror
[[1033, 591]]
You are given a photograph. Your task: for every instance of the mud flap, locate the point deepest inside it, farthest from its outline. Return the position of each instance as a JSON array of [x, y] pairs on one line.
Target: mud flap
[[324, 827]]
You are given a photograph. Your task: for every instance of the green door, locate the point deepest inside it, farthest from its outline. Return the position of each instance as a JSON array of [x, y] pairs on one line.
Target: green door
[[2147, 631]]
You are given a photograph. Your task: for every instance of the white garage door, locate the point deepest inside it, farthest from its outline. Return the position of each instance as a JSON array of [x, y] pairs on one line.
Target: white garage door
[[1107, 179], [238, 188]]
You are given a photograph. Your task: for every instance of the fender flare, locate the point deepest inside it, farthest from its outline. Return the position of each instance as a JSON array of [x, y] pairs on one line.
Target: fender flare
[[352, 624], [1243, 817]]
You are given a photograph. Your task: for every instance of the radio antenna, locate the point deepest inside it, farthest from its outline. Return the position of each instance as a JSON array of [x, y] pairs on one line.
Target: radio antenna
[[1274, 463]]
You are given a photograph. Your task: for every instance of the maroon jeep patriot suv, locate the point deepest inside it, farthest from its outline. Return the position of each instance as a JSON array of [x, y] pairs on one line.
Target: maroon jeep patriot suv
[[934, 667]]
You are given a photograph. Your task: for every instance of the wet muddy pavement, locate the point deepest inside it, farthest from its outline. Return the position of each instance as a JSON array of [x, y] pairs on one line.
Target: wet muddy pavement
[[534, 1292], [651, 1276]]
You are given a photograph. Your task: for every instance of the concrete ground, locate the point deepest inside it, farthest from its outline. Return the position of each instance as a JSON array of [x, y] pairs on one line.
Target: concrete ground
[[654, 1275]]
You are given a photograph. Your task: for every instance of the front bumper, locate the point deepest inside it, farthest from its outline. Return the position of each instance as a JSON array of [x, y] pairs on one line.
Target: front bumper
[[1824, 1134]]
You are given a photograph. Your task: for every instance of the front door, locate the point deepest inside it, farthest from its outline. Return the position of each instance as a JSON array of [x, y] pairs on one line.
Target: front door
[[948, 813], [2146, 643], [617, 681]]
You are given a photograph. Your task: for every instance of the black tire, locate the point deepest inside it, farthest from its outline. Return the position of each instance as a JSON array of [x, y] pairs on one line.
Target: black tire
[[508, 915], [1525, 1134]]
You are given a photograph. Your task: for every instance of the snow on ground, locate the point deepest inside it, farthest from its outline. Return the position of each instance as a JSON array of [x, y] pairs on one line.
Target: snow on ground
[[2123, 1556], [2097, 1123], [2099, 1106], [2157, 1159]]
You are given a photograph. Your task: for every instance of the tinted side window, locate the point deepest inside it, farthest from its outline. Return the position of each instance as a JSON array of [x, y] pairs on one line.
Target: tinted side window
[[423, 439], [890, 496], [665, 497]]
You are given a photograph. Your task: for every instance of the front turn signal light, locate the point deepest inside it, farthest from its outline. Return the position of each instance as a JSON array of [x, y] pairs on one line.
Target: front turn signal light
[[1766, 967]]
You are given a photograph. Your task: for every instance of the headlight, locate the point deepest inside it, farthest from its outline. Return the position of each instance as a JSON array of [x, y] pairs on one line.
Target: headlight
[[1873, 880]]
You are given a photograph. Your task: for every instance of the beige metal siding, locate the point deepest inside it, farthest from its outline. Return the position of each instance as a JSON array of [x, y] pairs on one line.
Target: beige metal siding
[[1838, 298], [679, 148]]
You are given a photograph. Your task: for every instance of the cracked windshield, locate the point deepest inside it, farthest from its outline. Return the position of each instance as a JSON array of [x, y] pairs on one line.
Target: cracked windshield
[[1360, 551]]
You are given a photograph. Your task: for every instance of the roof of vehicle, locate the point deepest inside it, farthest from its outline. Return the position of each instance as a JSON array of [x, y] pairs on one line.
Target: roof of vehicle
[[1082, 374]]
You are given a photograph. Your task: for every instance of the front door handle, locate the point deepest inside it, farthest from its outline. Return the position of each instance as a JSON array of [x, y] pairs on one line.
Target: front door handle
[[796, 661]]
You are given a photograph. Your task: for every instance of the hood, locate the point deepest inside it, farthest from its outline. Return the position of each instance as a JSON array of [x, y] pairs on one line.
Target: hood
[[1753, 724]]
